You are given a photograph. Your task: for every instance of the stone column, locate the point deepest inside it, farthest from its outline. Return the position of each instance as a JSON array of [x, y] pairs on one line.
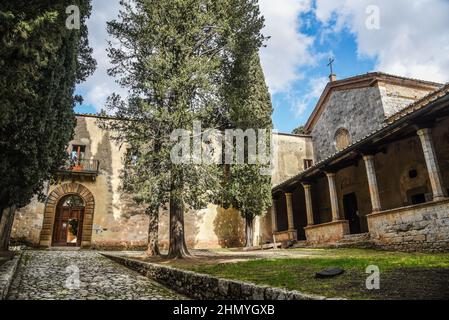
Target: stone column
[[309, 207], [433, 168], [288, 198], [274, 217], [372, 183], [333, 196]]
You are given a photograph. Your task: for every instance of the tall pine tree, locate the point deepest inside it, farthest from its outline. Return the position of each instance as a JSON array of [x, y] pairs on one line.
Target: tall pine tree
[[168, 54]]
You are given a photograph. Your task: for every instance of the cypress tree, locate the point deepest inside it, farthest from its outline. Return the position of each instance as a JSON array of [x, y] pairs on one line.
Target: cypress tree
[[248, 106], [41, 61]]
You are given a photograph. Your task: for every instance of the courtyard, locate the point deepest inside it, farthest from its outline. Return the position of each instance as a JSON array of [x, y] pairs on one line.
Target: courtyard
[[402, 275], [88, 275]]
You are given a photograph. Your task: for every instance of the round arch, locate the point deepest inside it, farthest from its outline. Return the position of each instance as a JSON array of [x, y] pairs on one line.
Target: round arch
[[51, 206]]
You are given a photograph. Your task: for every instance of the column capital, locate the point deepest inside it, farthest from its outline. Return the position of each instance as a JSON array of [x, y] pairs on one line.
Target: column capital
[[330, 174], [368, 156], [288, 194], [306, 185], [424, 131]]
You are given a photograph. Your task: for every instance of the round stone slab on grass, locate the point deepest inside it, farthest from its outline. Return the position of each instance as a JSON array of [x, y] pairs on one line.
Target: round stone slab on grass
[[329, 273]]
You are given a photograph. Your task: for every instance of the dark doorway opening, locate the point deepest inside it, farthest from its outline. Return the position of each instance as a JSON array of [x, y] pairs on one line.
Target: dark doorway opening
[[68, 227], [418, 198], [351, 213]]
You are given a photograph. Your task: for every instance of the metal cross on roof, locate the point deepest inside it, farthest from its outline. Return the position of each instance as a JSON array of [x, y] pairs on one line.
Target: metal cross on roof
[[331, 61]]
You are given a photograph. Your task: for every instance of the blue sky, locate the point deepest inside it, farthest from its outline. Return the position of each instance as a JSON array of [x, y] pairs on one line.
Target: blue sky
[[342, 47], [402, 37]]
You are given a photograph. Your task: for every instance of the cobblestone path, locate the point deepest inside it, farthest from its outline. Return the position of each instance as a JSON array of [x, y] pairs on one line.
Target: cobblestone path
[[81, 275]]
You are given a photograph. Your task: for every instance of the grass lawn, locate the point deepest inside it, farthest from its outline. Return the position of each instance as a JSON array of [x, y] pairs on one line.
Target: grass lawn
[[402, 275]]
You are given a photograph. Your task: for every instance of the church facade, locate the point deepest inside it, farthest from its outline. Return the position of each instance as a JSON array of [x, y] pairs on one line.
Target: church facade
[[381, 167], [373, 164]]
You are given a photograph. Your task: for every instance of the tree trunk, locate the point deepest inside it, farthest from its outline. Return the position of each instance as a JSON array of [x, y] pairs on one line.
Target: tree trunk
[[178, 248], [6, 227], [153, 233], [249, 232]]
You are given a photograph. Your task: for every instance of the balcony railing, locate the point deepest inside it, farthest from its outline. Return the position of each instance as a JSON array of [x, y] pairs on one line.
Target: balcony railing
[[81, 167]]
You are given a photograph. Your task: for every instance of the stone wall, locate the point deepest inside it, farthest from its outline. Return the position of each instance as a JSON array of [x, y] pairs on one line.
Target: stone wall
[[204, 287], [420, 227], [118, 223], [292, 150], [359, 111], [396, 97], [28, 222], [327, 233], [322, 210], [354, 179]]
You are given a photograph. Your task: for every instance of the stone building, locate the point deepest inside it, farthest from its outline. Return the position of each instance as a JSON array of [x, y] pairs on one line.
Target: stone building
[[373, 166], [380, 171], [86, 207]]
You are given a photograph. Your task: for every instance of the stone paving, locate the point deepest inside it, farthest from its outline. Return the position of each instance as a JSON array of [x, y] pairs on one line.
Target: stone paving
[[81, 275]]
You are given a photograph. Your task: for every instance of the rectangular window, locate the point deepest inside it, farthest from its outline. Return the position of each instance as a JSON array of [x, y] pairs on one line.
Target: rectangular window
[[308, 163]]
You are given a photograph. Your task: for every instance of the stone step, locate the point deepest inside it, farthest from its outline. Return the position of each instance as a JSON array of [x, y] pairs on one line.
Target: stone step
[[355, 238], [63, 249], [301, 244], [263, 247]]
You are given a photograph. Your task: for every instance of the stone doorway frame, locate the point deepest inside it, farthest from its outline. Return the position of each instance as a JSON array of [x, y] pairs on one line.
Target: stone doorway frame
[[50, 212]]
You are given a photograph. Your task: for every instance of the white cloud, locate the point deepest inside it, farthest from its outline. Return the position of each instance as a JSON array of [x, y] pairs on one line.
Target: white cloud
[[288, 49], [301, 103], [412, 40]]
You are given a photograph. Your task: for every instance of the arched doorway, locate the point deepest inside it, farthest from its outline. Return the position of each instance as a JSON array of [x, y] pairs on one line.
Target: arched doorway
[[55, 201], [69, 217]]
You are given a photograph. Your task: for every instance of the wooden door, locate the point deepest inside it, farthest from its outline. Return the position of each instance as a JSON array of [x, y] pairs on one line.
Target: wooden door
[[61, 225], [68, 226]]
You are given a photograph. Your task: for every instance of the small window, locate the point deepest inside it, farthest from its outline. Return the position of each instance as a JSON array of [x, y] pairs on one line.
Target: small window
[[342, 139], [308, 163], [413, 174], [72, 201]]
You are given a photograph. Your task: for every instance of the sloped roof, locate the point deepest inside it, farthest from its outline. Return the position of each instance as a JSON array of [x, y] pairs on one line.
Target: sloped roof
[[361, 81]]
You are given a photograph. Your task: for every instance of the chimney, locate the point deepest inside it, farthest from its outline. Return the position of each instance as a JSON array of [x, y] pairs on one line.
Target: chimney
[[332, 77]]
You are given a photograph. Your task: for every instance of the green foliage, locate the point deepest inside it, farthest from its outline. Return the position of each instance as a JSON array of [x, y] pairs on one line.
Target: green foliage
[[248, 106], [300, 130], [183, 61], [41, 61], [229, 228], [169, 57]]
